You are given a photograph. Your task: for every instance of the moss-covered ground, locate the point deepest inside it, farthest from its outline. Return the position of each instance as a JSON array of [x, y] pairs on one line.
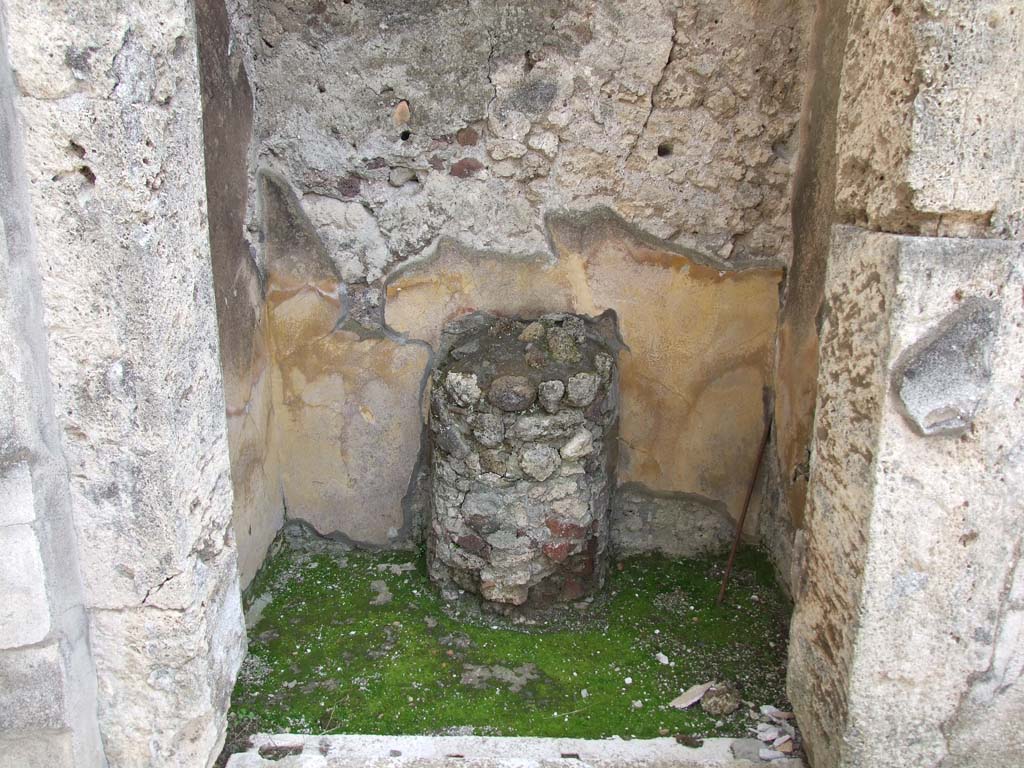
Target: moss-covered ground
[[329, 655]]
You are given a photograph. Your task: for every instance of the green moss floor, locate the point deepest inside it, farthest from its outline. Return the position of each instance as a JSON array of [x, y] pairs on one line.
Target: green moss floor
[[331, 652]]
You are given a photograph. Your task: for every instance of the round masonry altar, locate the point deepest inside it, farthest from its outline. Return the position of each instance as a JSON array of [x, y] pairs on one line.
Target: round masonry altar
[[523, 416]]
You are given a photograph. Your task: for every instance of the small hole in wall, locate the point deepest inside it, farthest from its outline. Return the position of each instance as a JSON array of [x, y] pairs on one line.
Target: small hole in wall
[[321, 88], [405, 135], [87, 173], [664, 149]]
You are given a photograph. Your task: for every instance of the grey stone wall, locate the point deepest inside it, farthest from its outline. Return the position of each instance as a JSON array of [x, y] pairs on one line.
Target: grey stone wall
[[47, 676], [107, 98], [905, 643]]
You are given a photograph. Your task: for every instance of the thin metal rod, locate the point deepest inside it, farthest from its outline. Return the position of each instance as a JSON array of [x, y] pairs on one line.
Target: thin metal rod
[[743, 514]]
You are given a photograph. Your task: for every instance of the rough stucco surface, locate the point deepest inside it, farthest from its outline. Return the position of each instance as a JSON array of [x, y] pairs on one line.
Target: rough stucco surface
[[929, 118], [449, 133], [108, 97], [238, 286], [560, 104], [914, 541]]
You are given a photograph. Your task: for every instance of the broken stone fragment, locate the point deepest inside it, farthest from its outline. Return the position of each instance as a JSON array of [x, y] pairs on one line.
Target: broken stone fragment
[[400, 176], [472, 544], [451, 441], [579, 445], [564, 529], [462, 388], [550, 394], [512, 393], [495, 462], [943, 380], [539, 427], [690, 696], [544, 142], [562, 345], [721, 699], [472, 464], [582, 389], [482, 524], [502, 539], [539, 461], [502, 592], [603, 362], [466, 350], [536, 358], [488, 429], [467, 137], [382, 595], [401, 114], [556, 551], [533, 332]]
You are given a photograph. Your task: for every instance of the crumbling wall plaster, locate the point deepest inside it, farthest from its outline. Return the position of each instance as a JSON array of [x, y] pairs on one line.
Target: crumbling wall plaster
[[696, 369], [108, 98], [441, 118], [454, 134], [696, 362]]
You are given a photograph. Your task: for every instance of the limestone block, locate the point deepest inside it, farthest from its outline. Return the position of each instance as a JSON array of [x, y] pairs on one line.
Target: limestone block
[[32, 695], [914, 540], [17, 500], [139, 396], [37, 750], [187, 660], [24, 610], [929, 117], [111, 117]]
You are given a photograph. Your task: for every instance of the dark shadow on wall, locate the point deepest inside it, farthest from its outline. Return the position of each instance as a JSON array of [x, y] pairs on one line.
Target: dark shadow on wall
[[797, 356], [227, 128]]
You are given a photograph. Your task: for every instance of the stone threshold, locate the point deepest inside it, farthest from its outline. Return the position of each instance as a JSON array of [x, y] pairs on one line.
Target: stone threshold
[[348, 751]]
